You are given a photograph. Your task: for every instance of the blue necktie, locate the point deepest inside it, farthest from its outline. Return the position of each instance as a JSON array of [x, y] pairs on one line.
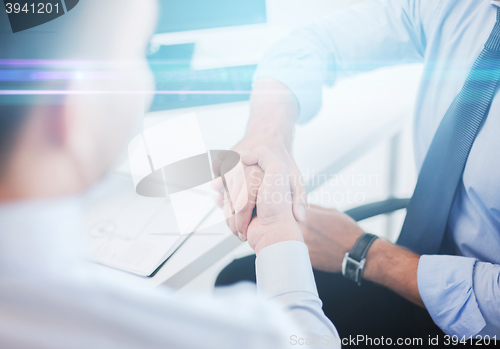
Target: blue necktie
[[441, 173]]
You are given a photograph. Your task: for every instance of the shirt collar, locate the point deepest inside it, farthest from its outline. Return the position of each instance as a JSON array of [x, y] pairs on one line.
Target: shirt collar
[[41, 238], [496, 3]]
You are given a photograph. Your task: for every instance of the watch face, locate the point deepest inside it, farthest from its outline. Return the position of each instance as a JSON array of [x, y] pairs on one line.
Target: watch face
[[352, 270]]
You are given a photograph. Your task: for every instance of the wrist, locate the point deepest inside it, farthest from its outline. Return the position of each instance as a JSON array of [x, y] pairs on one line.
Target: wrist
[[270, 133], [278, 232], [379, 257], [347, 241], [274, 111], [384, 260], [394, 267], [275, 141]]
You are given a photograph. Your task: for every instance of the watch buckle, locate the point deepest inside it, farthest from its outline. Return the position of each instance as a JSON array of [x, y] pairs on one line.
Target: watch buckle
[[358, 267]]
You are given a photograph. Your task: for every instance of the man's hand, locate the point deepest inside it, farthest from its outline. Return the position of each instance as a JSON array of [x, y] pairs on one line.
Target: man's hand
[[275, 221], [329, 234], [273, 114]]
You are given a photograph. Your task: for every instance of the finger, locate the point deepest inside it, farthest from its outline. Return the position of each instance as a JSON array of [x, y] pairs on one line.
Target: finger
[[232, 225], [216, 165], [217, 185], [222, 155], [224, 162], [229, 215], [239, 198], [232, 183], [299, 196], [219, 200], [320, 208], [248, 198], [261, 156]]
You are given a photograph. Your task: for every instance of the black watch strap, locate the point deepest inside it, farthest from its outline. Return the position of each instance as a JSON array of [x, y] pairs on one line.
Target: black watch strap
[[355, 259]]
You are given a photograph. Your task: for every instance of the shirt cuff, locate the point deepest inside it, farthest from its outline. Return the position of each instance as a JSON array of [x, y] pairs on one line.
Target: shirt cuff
[[445, 284], [283, 268]]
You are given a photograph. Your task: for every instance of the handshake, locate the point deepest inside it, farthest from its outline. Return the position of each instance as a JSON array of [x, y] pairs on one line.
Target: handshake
[[261, 212], [271, 209]]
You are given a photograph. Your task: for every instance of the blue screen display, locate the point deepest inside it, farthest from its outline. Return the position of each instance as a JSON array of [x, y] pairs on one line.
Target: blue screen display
[[203, 14]]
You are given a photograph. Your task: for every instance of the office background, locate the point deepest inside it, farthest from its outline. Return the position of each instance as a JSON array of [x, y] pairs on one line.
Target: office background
[[203, 56]]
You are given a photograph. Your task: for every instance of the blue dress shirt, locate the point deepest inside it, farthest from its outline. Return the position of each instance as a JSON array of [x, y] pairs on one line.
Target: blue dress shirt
[[461, 290]]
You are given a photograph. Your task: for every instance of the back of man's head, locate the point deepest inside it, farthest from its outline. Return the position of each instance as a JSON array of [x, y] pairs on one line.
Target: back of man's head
[[20, 57], [75, 70]]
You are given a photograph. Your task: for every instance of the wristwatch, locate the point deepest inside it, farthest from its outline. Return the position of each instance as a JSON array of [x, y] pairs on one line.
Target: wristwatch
[[354, 261]]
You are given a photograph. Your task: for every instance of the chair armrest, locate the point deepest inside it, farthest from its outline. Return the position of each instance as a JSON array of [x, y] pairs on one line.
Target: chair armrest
[[377, 208]]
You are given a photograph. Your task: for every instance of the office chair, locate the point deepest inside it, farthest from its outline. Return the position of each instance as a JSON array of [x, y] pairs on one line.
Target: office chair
[[377, 208]]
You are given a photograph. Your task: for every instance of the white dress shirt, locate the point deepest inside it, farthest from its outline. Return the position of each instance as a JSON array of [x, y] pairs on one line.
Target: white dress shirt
[[50, 297], [461, 290]]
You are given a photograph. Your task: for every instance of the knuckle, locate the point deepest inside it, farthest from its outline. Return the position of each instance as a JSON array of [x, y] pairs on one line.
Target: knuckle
[[242, 224], [262, 148], [281, 167], [241, 204], [255, 171]]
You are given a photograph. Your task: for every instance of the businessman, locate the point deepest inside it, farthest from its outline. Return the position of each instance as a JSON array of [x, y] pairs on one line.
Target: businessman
[[444, 272], [57, 143]]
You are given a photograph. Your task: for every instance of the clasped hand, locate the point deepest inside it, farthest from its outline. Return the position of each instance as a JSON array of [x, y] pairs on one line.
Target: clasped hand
[[328, 234], [274, 220]]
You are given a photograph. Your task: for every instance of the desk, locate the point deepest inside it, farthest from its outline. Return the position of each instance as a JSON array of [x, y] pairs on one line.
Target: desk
[[356, 115]]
